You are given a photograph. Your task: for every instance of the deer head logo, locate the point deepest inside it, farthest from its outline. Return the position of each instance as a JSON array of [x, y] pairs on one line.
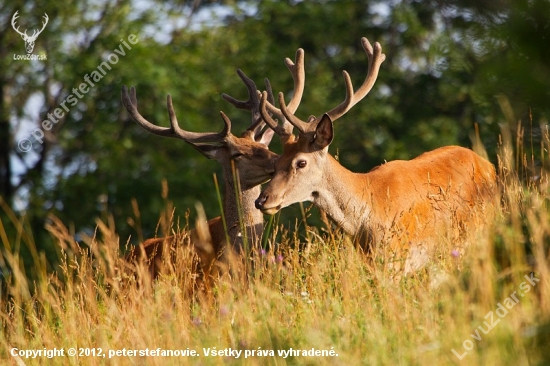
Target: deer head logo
[[29, 40]]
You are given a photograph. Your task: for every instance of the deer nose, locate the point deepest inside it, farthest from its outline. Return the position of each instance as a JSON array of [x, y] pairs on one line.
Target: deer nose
[[261, 201]]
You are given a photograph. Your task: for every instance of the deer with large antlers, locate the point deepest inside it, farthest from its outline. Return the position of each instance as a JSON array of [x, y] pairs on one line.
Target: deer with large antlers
[[407, 204], [29, 40], [248, 156]]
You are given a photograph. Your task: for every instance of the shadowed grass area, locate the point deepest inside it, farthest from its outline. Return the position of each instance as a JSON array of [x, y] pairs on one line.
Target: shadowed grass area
[[490, 306]]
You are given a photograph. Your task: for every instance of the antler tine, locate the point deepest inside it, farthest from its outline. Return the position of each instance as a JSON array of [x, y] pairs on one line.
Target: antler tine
[[130, 103], [127, 100], [279, 130], [260, 134], [271, 100], [303, 127], [297, 70], [269, 91], [252, 104], [251, 86], [375, 57], [227, 123], [133, 96], [196, 137], [277, 112]]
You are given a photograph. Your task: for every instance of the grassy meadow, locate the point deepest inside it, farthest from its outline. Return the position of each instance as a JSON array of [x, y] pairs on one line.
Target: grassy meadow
[[307, 300]]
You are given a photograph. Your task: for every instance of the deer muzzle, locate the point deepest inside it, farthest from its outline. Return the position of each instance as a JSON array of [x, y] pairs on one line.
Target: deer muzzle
[[260, 205]]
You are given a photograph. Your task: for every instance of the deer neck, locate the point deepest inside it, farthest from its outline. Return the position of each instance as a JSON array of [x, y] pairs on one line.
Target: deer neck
[[345, 197], [240, 213]]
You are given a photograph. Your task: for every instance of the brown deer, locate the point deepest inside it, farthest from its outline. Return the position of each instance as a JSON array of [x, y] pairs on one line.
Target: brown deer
[[407, 204], [247, 156]]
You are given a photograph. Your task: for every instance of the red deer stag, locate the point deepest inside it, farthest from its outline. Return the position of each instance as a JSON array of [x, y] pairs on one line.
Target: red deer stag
[[406, 204], [248, 155]]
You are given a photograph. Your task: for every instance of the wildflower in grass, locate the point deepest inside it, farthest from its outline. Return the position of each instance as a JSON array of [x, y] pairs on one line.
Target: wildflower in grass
[[224, 310]]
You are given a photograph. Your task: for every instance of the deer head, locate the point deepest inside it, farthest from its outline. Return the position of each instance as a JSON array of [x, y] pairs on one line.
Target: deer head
[[299, 172], [29, 40]]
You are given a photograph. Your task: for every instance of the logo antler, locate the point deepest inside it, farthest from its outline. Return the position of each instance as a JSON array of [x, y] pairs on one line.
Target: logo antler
[[29, 40]]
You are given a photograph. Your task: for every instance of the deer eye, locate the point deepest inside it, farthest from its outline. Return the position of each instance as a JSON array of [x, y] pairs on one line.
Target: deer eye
[[236, 156], [301, 164]]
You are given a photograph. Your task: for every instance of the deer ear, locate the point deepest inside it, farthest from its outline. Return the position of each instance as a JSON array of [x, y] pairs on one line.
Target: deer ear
[[265, 136], [324, 132], [211, 152]]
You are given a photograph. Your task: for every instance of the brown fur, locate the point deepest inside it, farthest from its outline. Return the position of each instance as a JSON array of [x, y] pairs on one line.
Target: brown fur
[[254, 165], [405, 204], [152, 251]]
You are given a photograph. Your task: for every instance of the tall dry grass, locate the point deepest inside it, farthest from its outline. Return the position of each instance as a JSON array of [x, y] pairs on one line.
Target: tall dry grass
[[320, 293]]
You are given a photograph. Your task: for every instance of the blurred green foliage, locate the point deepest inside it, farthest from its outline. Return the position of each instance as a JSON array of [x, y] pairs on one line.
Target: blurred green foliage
[[450, 65]]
